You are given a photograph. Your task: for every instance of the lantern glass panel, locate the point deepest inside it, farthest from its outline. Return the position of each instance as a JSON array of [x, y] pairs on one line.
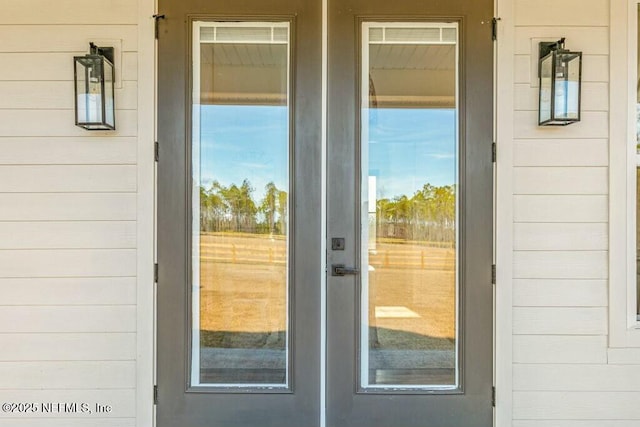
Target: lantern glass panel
[[567, 91], [89, 90], [546, 67], [94, 87], [108, 94], [81, 92]]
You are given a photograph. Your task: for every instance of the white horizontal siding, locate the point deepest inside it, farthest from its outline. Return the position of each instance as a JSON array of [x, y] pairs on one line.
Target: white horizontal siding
[[560, 180], [54, 319], [25, 347], [67, 375], [569, 349], [561, 152], [576, 405], [560, 293], [560, 321], [60, 123], [73, 12], [68, 178], [624, 356], [576, 377], [68, 291], [560, 264], [67, 206], [68, 217], [560, 208], [63, 38], [591, 13], [67, 150], [68, 263], [68, 235], [571, 236]]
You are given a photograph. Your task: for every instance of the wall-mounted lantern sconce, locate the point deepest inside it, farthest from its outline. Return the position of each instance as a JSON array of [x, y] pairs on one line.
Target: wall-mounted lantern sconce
[[94, 78], [560, 73]]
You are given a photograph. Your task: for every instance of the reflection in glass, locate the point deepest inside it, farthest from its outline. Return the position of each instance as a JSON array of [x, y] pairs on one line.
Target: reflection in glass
[[240, 152], [409, 145]]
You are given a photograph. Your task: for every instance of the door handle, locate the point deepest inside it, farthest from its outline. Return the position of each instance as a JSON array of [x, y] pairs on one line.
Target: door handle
[[341, 270]]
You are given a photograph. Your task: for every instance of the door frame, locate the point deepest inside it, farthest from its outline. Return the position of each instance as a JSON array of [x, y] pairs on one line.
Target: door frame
[[146, 211], [504, 47], [146, 214]]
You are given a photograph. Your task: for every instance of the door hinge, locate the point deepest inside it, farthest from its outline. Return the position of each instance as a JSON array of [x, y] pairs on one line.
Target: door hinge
[[155, 394], [494, 152], [494, 28], [155, 273], [157, 19], [493, 397], [156, 151], [493, 274]]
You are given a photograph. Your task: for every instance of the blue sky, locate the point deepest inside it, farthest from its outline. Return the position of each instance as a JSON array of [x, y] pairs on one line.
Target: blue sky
[[244, 142], [411, 147], [408, 147]]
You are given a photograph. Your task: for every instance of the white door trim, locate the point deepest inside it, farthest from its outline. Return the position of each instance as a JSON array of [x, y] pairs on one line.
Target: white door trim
[[146, 215], [503, 307]]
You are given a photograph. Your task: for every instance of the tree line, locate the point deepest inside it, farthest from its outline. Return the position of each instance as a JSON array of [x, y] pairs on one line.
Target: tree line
[[429, 214], [232, 208]]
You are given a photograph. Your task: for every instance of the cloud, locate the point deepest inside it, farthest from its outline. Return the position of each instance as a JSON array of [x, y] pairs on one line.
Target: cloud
[[441, 156]]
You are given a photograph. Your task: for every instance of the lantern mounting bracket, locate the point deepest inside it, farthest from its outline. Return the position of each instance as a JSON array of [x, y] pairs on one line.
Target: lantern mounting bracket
[[547, 47], [107, 52]]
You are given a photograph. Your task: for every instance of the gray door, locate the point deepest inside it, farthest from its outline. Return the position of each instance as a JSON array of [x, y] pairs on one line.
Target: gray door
[[409, 314], [238, 197], [410, 190]]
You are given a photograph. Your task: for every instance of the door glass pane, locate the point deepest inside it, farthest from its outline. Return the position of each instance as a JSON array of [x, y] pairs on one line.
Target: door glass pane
[[409, 149], [240, 163]]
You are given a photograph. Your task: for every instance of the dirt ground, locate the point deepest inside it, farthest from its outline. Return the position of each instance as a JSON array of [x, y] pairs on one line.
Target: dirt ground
[[243, 289]]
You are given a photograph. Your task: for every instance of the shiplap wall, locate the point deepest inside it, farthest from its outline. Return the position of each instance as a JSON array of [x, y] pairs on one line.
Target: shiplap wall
[[564, 375], [68, 210]]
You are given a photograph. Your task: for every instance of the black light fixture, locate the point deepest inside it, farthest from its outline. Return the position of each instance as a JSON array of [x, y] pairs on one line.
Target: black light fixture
[[560, 74], [94, 79]]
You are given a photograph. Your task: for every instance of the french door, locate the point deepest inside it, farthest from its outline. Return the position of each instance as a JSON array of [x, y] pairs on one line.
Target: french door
[[325, 264]]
